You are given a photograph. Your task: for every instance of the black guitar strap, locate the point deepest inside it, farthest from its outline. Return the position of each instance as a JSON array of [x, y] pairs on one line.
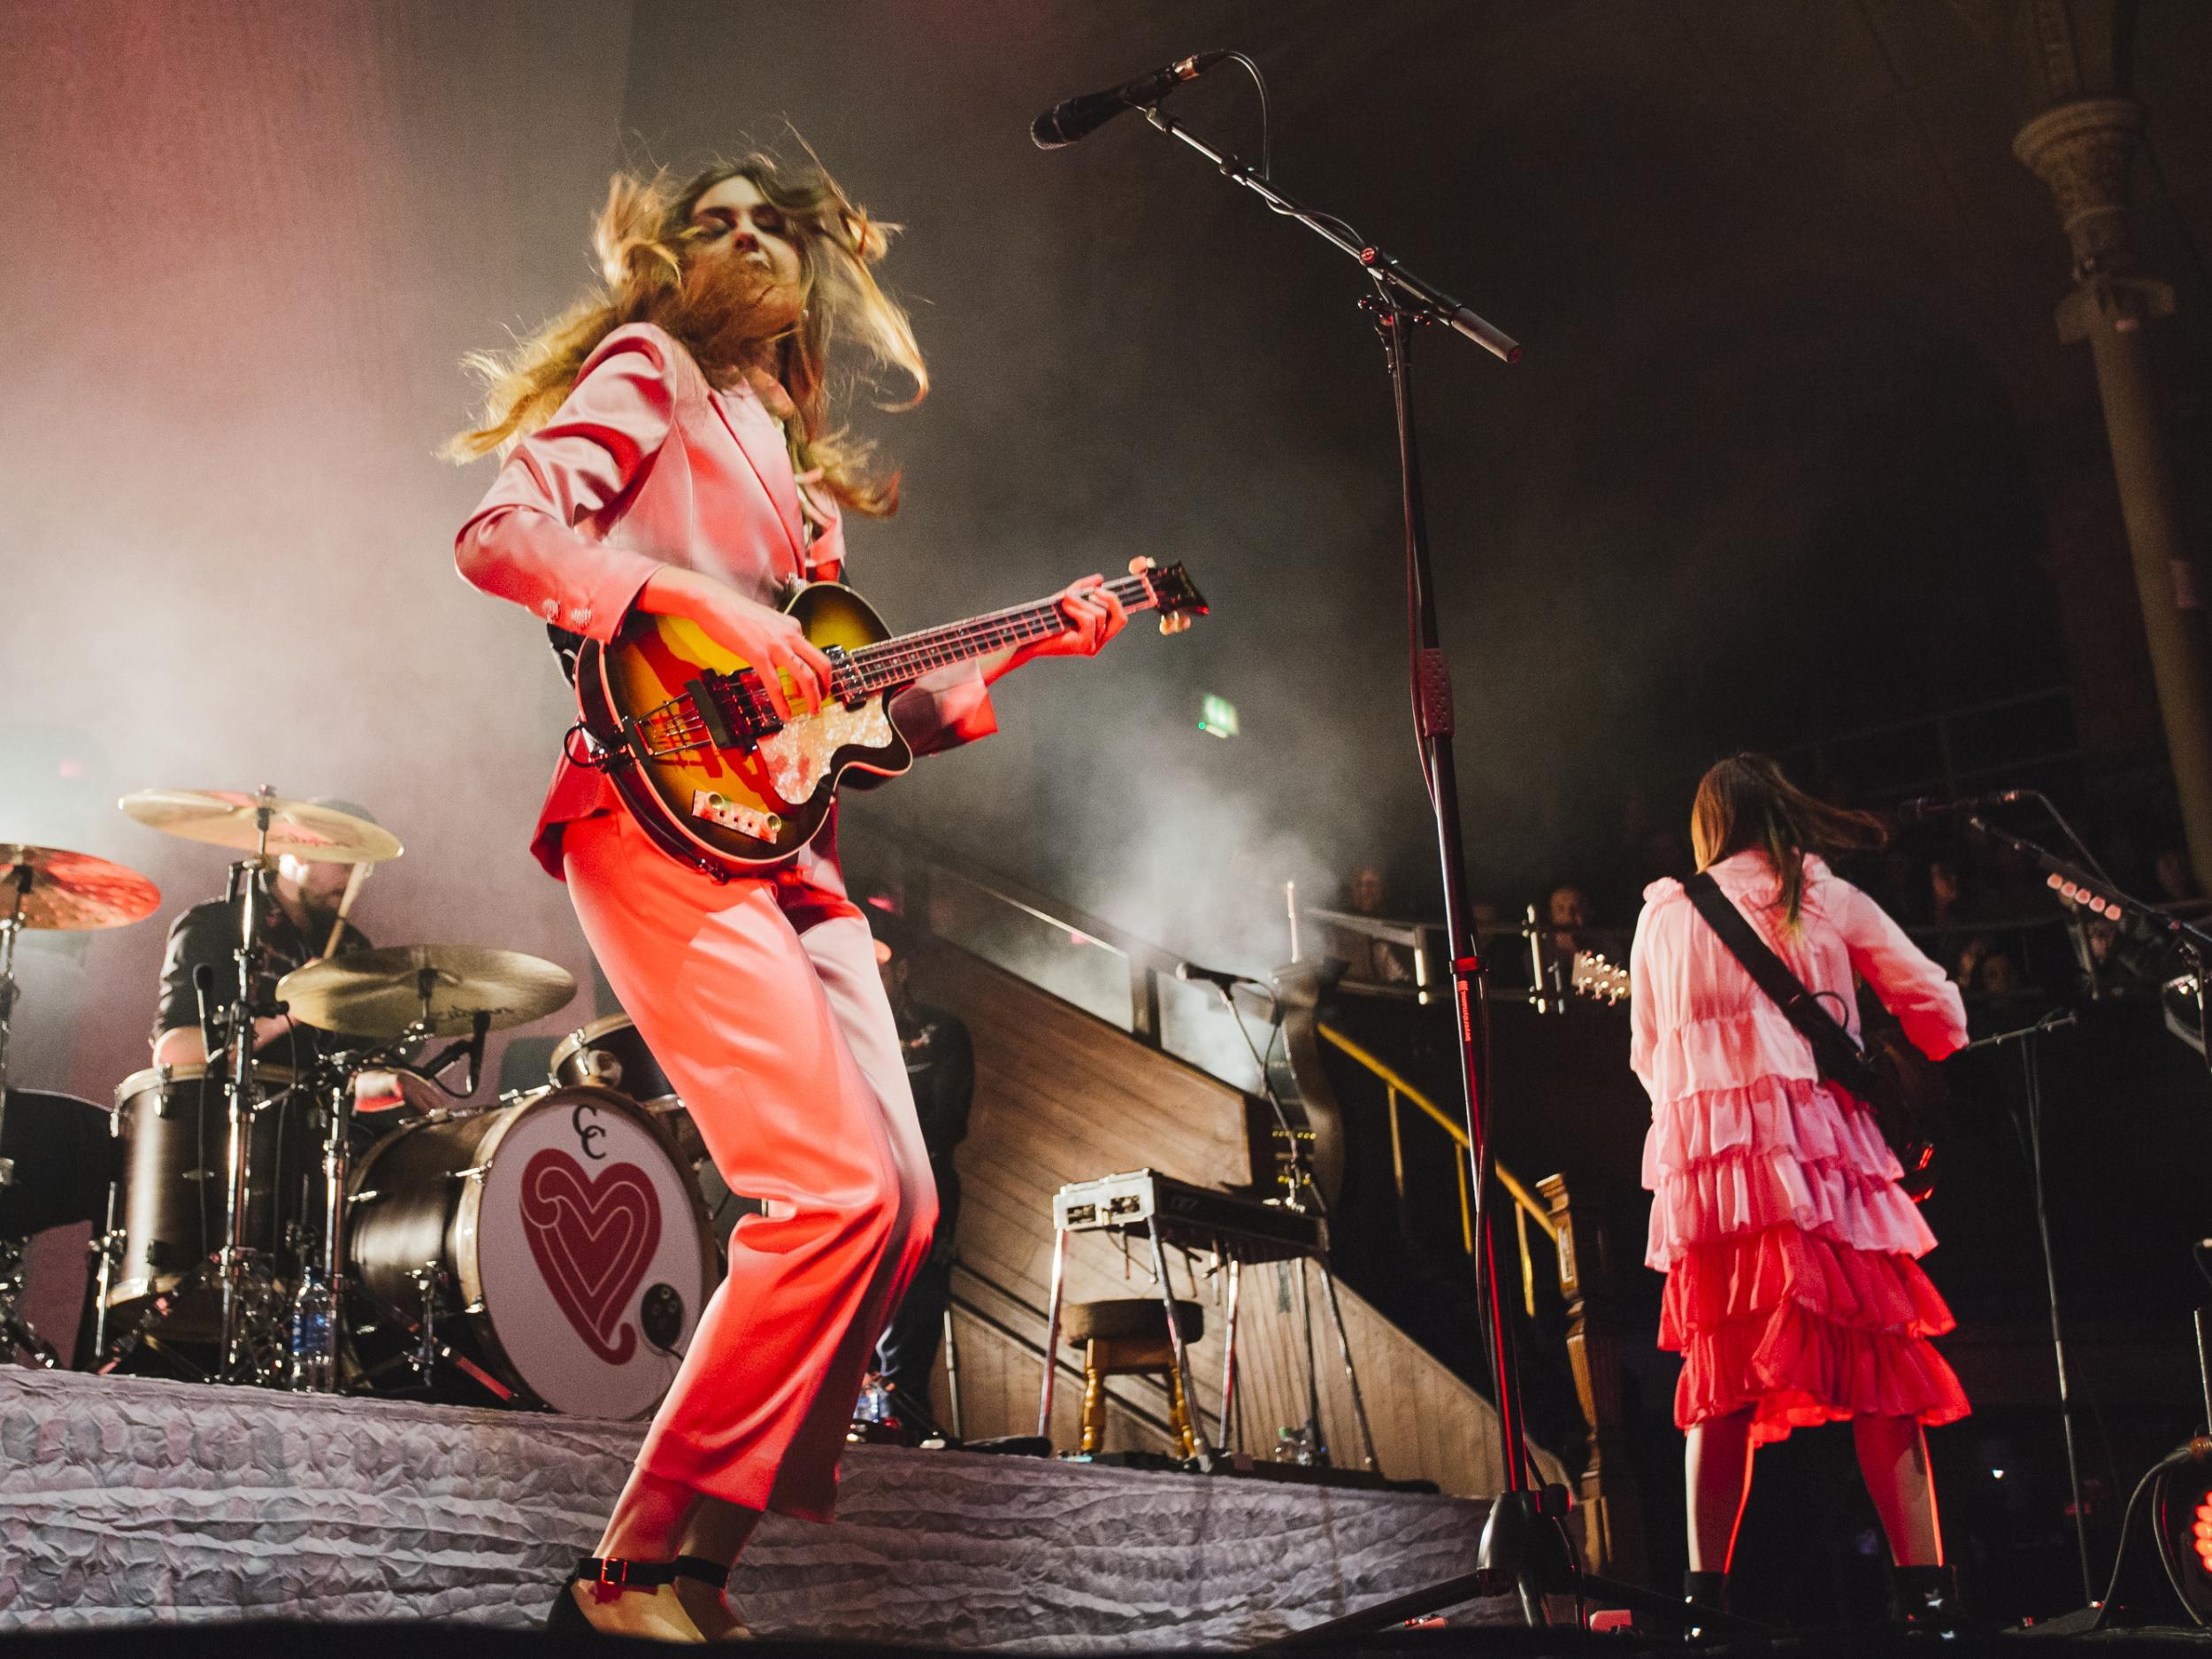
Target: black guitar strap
[[1839, 1058]]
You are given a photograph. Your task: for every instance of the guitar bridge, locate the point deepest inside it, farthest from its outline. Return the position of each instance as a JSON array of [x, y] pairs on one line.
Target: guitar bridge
[[711, 807], [711, 715]]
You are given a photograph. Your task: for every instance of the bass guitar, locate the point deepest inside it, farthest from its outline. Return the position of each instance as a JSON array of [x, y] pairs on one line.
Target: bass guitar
[[688, 734]]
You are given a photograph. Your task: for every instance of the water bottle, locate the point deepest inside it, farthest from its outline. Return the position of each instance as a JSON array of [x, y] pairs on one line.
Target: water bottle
[[310, 1334]]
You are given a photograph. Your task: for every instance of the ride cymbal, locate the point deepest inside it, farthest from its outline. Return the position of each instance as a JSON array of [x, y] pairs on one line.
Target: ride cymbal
[[72, 892], [440, 988], [225, 818]]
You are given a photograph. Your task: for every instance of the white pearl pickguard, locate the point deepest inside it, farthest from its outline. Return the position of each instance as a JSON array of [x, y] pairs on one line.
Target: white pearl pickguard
[[798, 756]]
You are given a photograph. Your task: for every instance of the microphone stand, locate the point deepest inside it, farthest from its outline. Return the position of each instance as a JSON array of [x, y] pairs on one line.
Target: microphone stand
[[1523, 1542], [2145, 921]]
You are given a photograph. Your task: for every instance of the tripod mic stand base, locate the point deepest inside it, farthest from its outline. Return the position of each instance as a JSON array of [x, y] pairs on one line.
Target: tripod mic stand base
[[1524, 1547], [1524, 1552]]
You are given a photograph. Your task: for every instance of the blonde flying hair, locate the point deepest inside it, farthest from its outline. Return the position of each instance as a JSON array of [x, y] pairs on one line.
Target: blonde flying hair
[[1745, 802], [646, 243]]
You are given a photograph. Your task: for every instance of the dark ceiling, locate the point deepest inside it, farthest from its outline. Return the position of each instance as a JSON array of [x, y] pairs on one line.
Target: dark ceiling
[[1769, 468]]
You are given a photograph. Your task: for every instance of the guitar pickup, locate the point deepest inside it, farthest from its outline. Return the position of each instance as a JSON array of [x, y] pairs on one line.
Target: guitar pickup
[[711, 715], [760, 714], [712, 807]]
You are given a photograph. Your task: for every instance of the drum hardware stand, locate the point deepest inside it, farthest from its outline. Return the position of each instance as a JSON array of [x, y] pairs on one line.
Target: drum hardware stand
[[1525, 1539], [235, 1261], [13, 1330], [320, 1296], [16, 1332], [429, 1279], [20, 887], [107, 1248]]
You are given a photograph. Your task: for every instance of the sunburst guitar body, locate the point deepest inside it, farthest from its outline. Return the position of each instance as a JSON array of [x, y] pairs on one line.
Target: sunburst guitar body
[[689, 738]]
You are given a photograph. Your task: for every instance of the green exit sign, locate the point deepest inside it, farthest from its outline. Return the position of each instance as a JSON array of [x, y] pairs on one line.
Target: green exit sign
[[1217, 715]]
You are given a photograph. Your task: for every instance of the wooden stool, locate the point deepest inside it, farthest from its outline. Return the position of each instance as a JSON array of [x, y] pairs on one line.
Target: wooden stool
[[1129, 1337]]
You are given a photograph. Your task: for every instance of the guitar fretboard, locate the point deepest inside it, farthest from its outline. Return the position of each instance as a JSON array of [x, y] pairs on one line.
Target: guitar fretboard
[[901, 661]]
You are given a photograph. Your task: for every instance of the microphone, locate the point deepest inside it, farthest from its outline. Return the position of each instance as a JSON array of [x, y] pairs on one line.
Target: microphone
[[1191, 973], [203, 992], [1921, 808], [1071, 119]]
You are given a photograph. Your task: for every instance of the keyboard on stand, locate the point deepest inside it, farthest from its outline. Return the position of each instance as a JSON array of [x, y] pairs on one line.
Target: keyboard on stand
[[1189, 1217]]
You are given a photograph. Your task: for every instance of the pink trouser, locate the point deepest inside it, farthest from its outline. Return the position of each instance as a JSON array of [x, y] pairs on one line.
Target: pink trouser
[[783, 1046]]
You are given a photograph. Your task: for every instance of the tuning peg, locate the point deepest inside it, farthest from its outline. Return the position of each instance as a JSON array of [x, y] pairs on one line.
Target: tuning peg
[[1140, 565], [1175, 622]]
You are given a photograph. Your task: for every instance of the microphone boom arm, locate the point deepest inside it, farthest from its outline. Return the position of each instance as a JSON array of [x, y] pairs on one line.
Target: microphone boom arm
[[1415, 294]]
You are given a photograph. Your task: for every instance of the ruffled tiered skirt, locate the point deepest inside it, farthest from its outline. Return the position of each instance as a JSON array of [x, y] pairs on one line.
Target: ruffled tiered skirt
[[1788, 1248]]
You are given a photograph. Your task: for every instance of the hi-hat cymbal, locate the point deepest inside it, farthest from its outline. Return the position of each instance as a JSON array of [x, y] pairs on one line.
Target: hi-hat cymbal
[[71, 892], [223, 817], [381, 993]]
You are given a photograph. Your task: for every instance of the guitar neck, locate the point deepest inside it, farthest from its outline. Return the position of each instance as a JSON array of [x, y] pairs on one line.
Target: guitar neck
[[892, 664]]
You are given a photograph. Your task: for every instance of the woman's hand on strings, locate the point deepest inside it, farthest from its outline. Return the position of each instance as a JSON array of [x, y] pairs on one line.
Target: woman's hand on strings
[[768, 641], [1094, 617]]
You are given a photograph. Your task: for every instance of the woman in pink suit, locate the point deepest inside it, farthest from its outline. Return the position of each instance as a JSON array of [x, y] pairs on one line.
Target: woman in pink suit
[[668, 449], [1794, 1292]]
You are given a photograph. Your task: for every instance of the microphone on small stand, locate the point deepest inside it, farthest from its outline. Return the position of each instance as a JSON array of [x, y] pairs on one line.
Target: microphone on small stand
[[204, 994], [1076, 117], [1922, 808], [1191, 973]]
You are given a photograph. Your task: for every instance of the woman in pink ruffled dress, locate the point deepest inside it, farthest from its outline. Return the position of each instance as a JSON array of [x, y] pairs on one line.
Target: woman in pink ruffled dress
[[1793, 1293]]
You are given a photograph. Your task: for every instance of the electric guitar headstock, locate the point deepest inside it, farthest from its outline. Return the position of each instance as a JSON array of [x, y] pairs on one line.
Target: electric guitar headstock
[[1597, 977], [1173, 594]]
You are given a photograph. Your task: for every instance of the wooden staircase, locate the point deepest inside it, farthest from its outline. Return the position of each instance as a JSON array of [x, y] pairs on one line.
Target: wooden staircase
[[1063, 1095]]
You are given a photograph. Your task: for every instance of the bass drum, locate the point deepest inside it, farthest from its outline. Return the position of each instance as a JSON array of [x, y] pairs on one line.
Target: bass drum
[[609, 1054], [174, 1127], [558, 1242]]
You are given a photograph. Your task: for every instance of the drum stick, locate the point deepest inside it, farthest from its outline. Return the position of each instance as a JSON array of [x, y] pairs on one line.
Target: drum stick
[[345, 908]]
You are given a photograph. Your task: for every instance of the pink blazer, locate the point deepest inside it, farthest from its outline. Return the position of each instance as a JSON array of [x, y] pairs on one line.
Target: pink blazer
[[646, 463]]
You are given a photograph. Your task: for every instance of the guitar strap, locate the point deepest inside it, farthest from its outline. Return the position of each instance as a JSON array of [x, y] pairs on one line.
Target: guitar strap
[[1839, 1059]]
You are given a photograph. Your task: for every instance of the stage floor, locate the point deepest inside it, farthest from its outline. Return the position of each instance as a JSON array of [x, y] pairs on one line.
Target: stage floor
[[124, 1501]]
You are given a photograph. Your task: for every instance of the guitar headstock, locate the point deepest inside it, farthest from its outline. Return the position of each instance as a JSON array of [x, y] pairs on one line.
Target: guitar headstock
[[1174, 594], [1596, 977]]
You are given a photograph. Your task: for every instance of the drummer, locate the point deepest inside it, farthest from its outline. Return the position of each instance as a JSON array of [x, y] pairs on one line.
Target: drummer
[[296, 925]]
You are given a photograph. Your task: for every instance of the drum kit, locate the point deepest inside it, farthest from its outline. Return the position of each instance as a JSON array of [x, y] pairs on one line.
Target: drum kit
[[348, 1222]]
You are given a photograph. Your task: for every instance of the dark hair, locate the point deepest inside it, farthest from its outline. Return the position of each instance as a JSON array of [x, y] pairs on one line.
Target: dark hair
[[1745, 802]]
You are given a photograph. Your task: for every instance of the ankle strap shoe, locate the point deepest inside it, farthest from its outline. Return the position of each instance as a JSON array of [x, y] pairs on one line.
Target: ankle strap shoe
[[609, 1576]]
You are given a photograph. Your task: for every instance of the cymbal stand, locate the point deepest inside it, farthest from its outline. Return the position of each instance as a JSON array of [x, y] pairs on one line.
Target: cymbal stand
[[241, 1099], [321, 1290], [10, 927], [14, 1332]]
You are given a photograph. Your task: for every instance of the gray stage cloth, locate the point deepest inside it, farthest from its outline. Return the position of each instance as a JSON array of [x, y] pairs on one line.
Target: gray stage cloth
[[127, 1499]]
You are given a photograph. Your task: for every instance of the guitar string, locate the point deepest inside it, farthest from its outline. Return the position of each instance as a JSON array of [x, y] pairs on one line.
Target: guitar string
[[942, 643], [887, 662], [938, 646]]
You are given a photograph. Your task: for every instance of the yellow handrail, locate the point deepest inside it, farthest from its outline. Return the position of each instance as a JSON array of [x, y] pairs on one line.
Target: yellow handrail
[[1540, 1213]]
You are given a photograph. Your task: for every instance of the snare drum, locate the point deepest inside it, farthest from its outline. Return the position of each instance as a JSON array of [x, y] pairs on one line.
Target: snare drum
[[558, 1242], [174, 1125], [609, 1054]]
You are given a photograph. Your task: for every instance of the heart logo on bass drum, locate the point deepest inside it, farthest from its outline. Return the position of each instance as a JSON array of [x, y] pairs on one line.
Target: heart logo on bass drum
[[592, 1240]]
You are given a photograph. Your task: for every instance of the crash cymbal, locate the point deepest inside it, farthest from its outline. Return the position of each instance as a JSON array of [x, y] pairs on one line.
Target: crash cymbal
[[223, 817], [381, 993], [71, 892]]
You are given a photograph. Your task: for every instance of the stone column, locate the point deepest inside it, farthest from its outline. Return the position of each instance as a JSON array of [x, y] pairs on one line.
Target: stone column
[[2081, 150]]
